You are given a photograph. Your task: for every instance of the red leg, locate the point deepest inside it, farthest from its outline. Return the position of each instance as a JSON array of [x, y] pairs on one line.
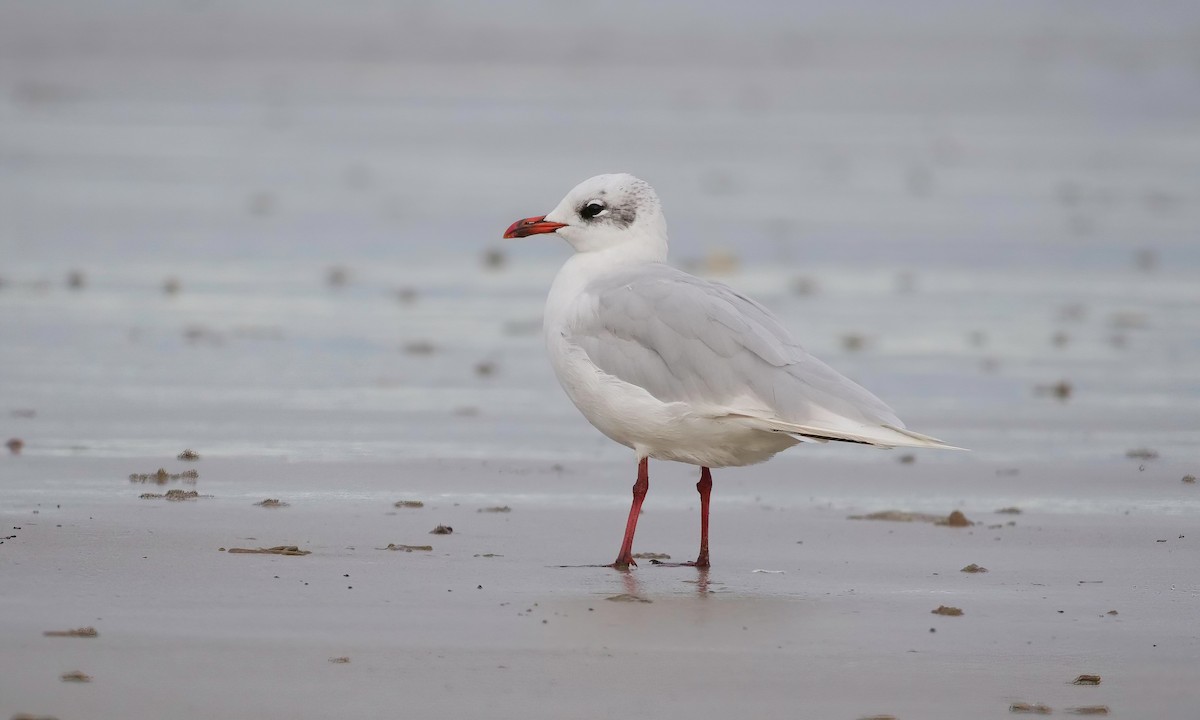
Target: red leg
[[705, 489], [625, 557]]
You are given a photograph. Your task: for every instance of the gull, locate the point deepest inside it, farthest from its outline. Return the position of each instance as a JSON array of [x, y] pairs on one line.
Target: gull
[[680, 368]]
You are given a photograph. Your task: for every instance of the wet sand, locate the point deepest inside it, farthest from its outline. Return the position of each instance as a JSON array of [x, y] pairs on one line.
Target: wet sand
[[805, 613], [271, 236]]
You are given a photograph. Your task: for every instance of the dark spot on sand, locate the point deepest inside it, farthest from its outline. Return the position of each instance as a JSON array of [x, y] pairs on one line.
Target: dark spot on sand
[[409, 504], [948, 611], [1141, 454], [83, 632], [853, 343], [15, 445], [1086, 680], [627, 597], [76, 676], [441, 530], [1060, 390], [419, 347], [272, 503], [277, 550], [495, 509], [1028, 708], [408, 548], [956, 519], [339, 660], [337, 276], [494, 258], [1088, 710]]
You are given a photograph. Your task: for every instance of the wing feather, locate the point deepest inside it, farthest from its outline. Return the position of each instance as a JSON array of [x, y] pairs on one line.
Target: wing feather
[[688, 340]]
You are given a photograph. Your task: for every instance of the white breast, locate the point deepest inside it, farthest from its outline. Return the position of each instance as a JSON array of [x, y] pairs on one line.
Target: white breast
[[628, 414]]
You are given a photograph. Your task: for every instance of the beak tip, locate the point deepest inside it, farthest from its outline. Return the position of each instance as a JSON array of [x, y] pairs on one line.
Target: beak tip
[[531, 226]]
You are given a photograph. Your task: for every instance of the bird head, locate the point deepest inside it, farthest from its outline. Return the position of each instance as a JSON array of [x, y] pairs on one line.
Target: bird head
[[603, 212]]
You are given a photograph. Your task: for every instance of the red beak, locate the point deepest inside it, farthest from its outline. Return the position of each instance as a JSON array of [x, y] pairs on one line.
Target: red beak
[[531, 226]]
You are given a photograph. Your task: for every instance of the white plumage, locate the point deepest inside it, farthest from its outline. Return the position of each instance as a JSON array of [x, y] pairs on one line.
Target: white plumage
[[677, 367]]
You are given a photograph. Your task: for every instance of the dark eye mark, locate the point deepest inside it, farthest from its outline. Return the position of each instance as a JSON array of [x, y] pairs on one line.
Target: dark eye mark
[[591, 210]]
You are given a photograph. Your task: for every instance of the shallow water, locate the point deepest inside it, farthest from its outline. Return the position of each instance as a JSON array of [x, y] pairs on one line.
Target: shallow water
[[955, 203]]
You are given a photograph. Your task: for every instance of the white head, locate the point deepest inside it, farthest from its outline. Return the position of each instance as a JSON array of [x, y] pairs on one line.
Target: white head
[[604, 212]]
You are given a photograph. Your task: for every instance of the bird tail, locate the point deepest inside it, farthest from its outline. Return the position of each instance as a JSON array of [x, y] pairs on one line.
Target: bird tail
[[885, 436]]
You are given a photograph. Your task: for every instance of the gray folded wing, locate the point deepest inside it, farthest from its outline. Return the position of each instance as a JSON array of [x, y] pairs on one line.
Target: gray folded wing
[[684, 339]]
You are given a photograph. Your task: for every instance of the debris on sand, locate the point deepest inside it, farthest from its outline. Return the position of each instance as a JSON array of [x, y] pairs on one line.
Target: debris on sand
[[1086, 680], [947, 610], [494, 258], [1111, 612], [1038, 709], [277, 550], [803, 286], [1009, 511], [651, 556], [973, 568], [1141, 454], [409, 504], [408, 548], [495, 509], [272, 503], [1189, 479], [15, 445], [1060, 390], [627, 597], [337, 276], [189, 455], [339, 660], [76, 676], [419, 347], [162, 477], [173, 495], [954, 519], [852, 342], [1088, 710], [441, 530], [898, 516], [83, 632]]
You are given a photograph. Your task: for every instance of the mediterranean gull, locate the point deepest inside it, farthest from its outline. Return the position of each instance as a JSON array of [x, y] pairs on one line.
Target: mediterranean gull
[[677, 367]]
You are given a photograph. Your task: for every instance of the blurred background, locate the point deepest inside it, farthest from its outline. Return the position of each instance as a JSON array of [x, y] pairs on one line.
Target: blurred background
[[272, 228]]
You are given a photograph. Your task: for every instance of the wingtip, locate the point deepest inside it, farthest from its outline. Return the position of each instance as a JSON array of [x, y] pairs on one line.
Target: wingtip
[[927, 440]]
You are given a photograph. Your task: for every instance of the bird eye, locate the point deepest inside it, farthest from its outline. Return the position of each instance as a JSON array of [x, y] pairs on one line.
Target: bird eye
[[594, 208]]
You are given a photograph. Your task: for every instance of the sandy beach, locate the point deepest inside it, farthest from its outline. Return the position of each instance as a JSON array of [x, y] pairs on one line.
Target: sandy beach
[[805, 613], [271, 235]]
